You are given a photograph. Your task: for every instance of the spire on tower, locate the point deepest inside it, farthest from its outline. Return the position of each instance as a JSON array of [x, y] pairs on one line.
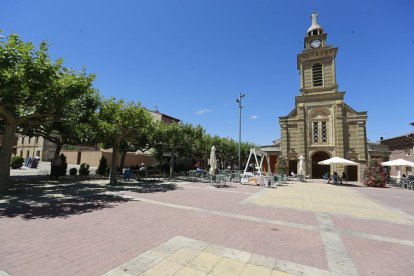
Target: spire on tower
[[315, 25], [313, 16]]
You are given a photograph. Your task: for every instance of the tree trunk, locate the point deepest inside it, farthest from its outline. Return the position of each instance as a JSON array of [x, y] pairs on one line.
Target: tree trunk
[[172, 164], [6, 150], [112, 176], [121, 166], [59, 147]]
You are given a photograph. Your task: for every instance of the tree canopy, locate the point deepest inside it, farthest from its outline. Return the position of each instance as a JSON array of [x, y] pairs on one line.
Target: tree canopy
[[33, 90], [117, 123]]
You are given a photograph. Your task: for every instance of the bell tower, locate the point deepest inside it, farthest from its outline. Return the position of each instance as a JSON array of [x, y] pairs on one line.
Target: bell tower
[[322, 125], [316, 63]]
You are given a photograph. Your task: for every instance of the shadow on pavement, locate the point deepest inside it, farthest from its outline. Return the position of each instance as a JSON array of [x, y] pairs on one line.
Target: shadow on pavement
[[39, 197]]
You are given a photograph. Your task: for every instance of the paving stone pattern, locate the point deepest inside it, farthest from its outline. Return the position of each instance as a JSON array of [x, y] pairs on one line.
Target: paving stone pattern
[[296, 229]]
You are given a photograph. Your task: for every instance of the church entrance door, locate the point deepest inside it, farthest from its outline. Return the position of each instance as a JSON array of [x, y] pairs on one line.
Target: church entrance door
[[293, 166], [352, 173], [319, 170]]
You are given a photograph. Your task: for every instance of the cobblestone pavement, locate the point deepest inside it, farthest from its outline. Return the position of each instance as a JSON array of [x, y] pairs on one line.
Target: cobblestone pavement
[[195, 229]]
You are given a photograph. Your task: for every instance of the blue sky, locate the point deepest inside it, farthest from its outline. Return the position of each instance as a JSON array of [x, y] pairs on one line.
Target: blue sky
[[192, 58]]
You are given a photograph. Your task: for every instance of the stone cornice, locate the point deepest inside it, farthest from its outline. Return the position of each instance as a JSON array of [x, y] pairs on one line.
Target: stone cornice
[[320, 90], [335, 96]]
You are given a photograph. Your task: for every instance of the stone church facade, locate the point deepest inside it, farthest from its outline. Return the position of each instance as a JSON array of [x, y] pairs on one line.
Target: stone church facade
[[322, 125]]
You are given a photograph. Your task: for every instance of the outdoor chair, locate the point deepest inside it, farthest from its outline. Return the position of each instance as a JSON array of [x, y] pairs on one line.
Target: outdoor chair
[[282, 179], [220, 180], [127, 175], [275, 182], [409, 184], [406, 184], [392, 181]]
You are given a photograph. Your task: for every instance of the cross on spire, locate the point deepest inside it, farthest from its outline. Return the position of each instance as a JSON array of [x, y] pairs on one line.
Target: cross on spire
[[313, 16]]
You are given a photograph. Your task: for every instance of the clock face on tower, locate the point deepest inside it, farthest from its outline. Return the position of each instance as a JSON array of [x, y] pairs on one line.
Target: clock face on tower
[[315, 43]]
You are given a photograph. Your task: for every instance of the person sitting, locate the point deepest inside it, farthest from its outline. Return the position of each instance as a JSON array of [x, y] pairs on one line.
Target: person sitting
[[343, 177], [326, 177], [335, 178], [142, 171], [127, 174]]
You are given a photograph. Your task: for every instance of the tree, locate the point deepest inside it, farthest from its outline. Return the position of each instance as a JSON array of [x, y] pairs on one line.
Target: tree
[[177, 139], [33, 90], [374, 174], [118, 122], [139, 141], [202, 147], [76, 125]]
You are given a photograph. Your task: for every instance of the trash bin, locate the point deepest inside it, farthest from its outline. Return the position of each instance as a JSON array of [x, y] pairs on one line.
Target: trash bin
[[35, 162]]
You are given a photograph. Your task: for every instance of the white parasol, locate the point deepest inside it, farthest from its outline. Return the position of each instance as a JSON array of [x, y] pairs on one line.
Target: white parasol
[[398, 163], [213, 161], [337, 161], [300, 171]]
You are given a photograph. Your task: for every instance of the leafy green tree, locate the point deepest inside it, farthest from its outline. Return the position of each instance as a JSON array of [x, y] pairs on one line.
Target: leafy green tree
[[202, 147], [33, 90], [227, 150], [177, 139], [374, 174], [118, 122], [140, 141], [76, 125]]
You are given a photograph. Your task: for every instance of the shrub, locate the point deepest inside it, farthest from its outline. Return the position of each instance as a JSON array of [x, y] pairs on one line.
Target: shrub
[[84, 169], [73, 171], [16, 162], [374, 174], [64, 166], [103, 166]]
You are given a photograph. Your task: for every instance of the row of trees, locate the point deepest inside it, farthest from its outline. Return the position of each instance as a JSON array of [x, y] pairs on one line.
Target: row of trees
[[41, 97]]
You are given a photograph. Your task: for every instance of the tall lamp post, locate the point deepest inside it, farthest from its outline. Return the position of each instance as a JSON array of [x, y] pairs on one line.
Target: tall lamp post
[[239, 101], [412, 142]]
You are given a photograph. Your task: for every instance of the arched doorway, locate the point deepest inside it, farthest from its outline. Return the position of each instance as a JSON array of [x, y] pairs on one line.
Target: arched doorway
[[319, 170]]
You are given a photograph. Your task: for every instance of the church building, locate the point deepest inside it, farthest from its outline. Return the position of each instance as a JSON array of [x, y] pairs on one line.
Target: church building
[[322, 125]]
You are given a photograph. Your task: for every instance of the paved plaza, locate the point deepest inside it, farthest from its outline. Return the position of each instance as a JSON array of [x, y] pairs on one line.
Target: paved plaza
[[85, 227]]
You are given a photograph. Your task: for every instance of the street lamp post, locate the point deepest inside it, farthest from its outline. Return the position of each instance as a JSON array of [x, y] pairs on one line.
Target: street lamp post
[[239, 101], [412, 142]]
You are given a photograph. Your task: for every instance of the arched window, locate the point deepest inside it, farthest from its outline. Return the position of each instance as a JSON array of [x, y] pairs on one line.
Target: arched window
[[317, 74], [320, 132]]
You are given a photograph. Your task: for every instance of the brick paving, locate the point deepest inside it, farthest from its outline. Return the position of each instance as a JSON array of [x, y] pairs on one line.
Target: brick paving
[[91, 235]]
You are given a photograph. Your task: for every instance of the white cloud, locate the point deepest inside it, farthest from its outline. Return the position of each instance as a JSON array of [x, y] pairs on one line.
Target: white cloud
[[254, 117], [202, 111]]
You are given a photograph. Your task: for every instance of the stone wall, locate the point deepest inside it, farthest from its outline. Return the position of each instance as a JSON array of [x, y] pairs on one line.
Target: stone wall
[[92, 158]]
